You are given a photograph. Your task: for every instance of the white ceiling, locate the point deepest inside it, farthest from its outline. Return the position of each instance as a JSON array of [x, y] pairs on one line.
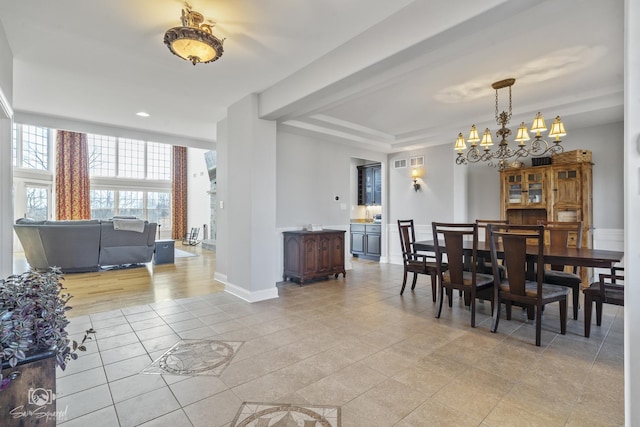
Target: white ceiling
[[384, 75]]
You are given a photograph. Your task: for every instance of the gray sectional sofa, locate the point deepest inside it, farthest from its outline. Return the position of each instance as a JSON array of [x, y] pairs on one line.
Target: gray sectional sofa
[[87, 245]]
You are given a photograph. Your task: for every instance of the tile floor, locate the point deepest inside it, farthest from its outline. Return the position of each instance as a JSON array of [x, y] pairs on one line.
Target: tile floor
[[353, 343]]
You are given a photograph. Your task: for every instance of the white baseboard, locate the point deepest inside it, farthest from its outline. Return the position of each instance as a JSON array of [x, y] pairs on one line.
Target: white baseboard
[[256, 296]]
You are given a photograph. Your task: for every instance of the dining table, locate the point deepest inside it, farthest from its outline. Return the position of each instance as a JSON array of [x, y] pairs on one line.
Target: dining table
[[581, 257]]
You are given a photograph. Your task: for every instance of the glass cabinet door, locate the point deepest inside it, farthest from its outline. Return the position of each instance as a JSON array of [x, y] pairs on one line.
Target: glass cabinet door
[[514, 188], [535, 188]]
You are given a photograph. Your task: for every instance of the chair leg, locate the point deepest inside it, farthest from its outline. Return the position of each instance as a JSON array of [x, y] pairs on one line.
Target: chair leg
[[450, 295], [598, 313], [539, 325], [404, 282], [563, 317], [415, 279], [440, 301], [508, 308], [588, 305], [496, 317], [473, 310], [434, 287], [576, 301]]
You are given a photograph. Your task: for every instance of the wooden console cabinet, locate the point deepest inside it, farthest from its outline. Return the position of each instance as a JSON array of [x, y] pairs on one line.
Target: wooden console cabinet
[[313, 254]]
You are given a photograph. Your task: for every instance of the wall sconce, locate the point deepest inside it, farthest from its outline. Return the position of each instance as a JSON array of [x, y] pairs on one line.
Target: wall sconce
[[415, 174]]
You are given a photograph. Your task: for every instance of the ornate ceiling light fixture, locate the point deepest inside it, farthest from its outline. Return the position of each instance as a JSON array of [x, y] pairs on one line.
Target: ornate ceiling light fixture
[[501, 158], [194, 41]]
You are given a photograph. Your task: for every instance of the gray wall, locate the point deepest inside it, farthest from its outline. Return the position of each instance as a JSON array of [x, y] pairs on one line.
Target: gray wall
[[311, 171], [606, 145], [435, 199]]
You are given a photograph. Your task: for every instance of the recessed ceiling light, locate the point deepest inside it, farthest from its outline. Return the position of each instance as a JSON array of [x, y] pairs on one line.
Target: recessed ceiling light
[[143, 114]]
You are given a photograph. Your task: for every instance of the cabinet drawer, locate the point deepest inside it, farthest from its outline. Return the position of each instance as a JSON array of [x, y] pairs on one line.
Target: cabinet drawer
[[373, 229], [358, 228]]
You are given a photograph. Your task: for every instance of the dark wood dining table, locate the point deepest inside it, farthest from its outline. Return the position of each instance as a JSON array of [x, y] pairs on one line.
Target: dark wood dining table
[[581, 257]]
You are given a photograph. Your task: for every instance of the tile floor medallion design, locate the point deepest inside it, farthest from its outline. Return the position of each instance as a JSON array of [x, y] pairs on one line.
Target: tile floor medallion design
[[252, 414], [195, 357]]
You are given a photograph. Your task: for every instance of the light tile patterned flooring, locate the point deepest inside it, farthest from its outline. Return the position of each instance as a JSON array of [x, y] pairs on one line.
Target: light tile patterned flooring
[[354, 343]]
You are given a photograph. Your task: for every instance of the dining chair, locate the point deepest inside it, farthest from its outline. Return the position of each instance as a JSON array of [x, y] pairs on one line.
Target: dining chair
[[609, 289], [414, 262], [516, 288], [485, 264], [461, 272], [563, 235]]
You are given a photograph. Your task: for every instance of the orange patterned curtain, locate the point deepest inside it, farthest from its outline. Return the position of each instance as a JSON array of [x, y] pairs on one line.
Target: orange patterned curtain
[[179, 192], [72, 176]]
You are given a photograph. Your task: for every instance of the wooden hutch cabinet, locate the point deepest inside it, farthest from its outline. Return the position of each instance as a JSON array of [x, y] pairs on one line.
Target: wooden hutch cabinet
[[562, 191], [313, 254]]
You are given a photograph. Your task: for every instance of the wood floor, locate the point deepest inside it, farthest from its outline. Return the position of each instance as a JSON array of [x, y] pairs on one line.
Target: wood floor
[[112, 289]]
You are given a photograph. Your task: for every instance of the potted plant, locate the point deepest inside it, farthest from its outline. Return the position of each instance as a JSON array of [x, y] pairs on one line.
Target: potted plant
[[33, 341]]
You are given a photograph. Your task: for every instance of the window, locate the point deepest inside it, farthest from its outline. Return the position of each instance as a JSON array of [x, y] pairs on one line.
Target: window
[[102, 155], [37, 203], [130, 178], [131, 156], [30, 147], [102, 204], [155, 206], [159, 208], [158, 161], [131, 203], [128, 158]]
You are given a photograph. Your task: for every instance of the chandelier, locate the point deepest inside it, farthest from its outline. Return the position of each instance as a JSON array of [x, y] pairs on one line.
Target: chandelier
[[504, 156], [194, 41]]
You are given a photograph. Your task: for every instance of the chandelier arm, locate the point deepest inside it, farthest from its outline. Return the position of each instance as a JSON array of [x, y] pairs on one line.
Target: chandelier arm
[[500, 158]]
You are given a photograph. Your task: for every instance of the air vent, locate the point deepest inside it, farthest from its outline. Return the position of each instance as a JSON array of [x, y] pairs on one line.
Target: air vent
[[417, 161], [399, 164]]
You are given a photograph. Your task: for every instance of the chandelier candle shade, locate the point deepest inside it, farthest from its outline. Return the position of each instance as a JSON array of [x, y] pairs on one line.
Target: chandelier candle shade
[[503, 156], [194, 41]]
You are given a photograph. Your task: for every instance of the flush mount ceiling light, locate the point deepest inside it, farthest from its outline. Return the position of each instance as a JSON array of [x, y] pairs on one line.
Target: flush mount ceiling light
[[194, 41], [500, 158]]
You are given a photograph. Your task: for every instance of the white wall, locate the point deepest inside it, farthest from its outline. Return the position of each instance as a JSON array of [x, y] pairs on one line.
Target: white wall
[[631, 209], [198, 186], [6, 180]]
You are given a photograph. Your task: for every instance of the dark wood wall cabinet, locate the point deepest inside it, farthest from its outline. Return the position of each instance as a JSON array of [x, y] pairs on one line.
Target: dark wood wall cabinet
[[370, 184], [313, 254], [366, 241]]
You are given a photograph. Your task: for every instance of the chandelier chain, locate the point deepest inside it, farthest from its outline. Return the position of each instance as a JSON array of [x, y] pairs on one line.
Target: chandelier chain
[[508, 117]]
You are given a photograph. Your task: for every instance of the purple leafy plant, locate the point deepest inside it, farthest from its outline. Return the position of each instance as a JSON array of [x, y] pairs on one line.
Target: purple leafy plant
[[33, 319]]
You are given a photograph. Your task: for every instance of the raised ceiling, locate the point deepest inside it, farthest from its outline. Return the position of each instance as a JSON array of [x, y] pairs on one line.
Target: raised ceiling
[[384, 75]]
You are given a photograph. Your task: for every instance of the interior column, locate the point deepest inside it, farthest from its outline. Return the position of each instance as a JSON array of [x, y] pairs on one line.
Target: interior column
[[247, 240]]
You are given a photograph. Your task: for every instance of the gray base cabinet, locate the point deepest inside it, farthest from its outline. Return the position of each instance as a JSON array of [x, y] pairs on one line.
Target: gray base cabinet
[[366, 241]]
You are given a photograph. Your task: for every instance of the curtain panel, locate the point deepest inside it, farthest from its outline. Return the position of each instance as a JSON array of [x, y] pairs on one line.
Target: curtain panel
[[72, 176], [179, 192]]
